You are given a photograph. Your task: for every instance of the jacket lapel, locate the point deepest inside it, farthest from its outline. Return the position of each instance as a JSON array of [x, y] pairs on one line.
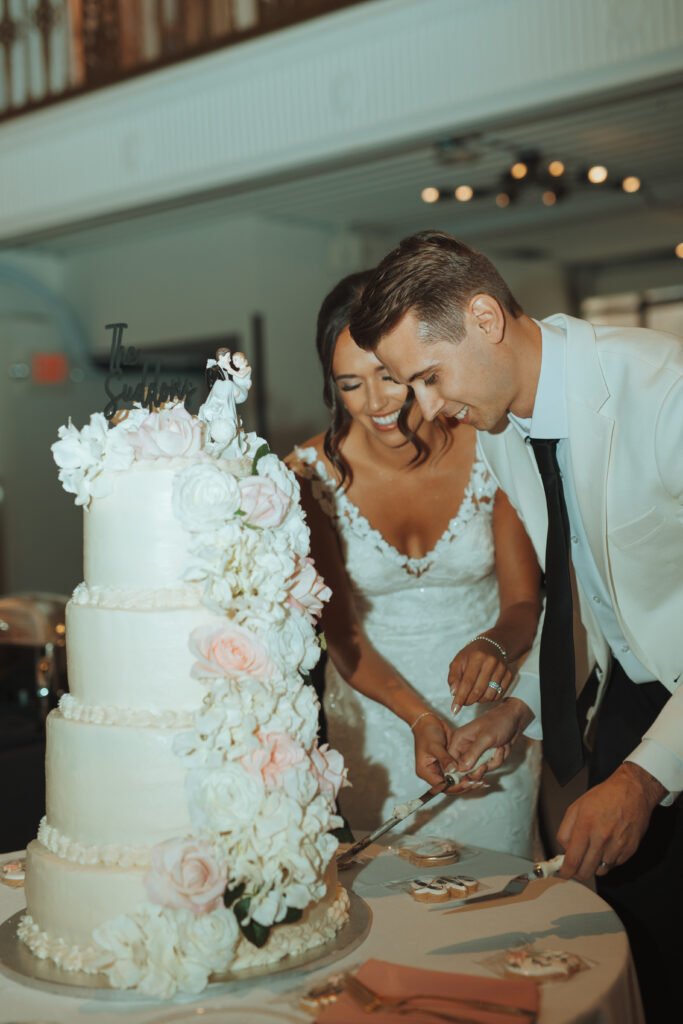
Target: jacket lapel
[[590, 435]]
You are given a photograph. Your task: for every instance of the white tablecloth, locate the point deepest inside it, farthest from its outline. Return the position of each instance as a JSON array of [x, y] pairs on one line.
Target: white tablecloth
[[550, 913]]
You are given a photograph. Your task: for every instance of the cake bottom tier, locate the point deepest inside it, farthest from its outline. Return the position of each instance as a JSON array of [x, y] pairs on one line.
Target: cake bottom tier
[[66, 901]]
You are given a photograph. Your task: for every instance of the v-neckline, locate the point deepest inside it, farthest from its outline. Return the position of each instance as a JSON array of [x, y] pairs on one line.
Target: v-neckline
[[358, 518]]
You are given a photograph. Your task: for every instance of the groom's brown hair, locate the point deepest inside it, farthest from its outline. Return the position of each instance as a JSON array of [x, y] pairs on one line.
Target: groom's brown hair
[[435, 276]]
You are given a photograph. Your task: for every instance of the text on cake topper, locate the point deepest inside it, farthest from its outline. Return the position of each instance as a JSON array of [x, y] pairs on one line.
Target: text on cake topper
[[150, 391]]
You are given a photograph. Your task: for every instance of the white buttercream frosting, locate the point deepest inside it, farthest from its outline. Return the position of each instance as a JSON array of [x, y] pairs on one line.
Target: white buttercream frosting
[[141, 717], [184, 760], [113, 855]]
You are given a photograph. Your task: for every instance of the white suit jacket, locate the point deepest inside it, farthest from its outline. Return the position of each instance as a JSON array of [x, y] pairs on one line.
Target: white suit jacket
[[625, 421]]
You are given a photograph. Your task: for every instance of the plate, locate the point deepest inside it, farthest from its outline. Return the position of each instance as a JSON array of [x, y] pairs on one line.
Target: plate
[[260, 1014], [17, 961]]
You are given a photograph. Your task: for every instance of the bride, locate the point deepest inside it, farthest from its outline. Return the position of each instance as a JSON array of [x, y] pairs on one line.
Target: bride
[[434, 582]]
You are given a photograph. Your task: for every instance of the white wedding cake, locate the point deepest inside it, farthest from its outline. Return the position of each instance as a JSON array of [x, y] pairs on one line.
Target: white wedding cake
[[189, 806]]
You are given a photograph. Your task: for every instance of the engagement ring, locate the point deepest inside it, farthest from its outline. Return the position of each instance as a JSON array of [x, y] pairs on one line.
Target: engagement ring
[[496, 686]]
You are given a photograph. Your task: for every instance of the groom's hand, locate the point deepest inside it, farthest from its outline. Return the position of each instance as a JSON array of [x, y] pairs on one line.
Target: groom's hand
[[497, 728], [603, 828]]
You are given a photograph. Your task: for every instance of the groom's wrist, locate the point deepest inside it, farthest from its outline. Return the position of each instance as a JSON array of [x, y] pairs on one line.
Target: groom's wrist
[[523, 715]]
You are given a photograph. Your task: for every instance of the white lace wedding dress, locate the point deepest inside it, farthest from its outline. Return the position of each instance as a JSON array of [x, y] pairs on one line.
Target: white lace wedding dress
[[418, 613]]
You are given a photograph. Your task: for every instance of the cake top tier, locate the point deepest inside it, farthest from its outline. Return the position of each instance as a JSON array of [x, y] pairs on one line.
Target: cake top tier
[[89, 459]]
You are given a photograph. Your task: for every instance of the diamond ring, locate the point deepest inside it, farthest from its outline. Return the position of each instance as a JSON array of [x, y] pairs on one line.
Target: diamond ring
[[604, 864], [496, 686]]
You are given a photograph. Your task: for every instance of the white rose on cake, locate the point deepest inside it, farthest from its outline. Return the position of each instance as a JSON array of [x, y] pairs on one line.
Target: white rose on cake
[[222, 799], [204, 496], [209, 940]]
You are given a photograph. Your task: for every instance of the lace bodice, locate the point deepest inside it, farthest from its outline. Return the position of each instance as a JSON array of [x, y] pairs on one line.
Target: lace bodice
[[418, 613], [458, 569]]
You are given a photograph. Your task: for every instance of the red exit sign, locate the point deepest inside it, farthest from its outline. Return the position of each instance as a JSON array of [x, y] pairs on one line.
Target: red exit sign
[[49, 368]]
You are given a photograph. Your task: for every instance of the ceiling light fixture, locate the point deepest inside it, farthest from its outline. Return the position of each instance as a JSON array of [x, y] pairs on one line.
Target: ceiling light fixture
[[597, 174], [630, 184]]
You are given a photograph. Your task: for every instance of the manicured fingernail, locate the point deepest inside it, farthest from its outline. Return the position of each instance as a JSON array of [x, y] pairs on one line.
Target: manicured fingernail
[[457, 708]]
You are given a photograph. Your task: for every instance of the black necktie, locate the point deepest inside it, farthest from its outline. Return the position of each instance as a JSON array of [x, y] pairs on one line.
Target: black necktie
[[562, 744]]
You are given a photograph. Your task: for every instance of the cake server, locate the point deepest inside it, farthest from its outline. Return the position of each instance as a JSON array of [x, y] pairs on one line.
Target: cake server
[[518, 884], [402, 811]]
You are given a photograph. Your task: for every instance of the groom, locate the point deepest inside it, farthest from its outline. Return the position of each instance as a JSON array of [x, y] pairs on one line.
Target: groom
[[582, 427]]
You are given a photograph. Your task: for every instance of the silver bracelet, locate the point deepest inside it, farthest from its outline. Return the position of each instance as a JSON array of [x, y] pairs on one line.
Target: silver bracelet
[[423, 715], [495, 644]]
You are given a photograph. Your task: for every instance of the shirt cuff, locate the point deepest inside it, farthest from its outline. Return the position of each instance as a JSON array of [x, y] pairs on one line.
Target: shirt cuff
[[662, 764], [526, 688]]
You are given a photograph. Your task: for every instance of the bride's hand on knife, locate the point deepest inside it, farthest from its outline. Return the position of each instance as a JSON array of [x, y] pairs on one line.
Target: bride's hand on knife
[[432, 757]]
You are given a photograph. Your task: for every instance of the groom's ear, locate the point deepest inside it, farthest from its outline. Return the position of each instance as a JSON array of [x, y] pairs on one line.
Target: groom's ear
[[487, 317]]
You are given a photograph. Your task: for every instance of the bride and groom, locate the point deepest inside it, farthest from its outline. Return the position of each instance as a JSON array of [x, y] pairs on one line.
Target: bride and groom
[[580, 427]]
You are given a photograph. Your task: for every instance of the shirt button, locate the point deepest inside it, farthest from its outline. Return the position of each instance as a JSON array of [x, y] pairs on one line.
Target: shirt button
[[596, 598], [575, 539], [624, 648]]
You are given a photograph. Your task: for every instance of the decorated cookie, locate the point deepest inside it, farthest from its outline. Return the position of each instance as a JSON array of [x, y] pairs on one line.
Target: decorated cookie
[[443, 888], [548, 963], [323, 993], [12, 873], [428, 851]]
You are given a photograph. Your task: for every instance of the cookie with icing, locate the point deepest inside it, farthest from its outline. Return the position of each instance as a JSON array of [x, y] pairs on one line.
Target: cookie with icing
[[541, 965], [428, 851], [443, 888]]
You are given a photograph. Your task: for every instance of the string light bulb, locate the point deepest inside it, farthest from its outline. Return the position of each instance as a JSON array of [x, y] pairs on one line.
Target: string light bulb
[[631, 183], [549, 198], [502, 200], [429, 195], [519, 170], [556, 168], [679, 250], [464, 193], [597, 174]]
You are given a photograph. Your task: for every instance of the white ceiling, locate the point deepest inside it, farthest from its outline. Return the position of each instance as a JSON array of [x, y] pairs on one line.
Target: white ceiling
[[637, 134]]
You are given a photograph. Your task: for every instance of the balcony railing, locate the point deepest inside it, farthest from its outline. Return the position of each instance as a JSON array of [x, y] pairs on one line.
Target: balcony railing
[[52, 50]]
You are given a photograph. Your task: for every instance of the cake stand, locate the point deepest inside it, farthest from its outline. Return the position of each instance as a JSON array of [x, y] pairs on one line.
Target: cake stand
[[18, 962]]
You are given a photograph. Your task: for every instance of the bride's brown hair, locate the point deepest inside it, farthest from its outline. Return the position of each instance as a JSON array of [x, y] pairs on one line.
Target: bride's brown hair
[[333, 318]]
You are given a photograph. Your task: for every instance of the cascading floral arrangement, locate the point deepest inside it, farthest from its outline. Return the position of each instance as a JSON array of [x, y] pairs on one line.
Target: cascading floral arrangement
[[261, 792]]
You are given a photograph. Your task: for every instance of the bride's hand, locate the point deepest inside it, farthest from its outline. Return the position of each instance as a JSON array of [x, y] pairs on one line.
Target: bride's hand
[[432, 759], [478, 674]]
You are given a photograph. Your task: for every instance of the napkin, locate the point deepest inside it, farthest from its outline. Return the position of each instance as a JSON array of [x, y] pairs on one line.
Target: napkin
[[400, 981]]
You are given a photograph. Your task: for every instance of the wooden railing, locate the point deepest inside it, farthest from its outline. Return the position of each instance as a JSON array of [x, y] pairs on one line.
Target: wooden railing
[[52, 50]]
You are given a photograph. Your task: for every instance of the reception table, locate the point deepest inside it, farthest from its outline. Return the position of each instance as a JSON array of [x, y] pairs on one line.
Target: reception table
[[391, 926]]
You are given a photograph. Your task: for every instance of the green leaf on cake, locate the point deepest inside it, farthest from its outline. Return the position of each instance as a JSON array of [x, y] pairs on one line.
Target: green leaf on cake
[[230, 895], [254, 932], [260, 452], [293, 914]]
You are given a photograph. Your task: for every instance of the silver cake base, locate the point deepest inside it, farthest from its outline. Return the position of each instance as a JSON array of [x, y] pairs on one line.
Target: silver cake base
[[19, 963]]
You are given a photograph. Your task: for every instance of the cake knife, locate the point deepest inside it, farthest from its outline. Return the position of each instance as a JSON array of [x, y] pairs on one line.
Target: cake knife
[[402, 811]]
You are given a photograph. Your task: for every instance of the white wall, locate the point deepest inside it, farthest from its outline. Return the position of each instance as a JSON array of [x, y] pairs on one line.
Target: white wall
[[203, 280]]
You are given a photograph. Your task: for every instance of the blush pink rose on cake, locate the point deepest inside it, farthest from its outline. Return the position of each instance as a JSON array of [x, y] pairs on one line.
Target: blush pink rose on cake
[[186, 874], [307, 590], [229, 650], [328, 768], [169, 433], [263, 503], [276, 754]]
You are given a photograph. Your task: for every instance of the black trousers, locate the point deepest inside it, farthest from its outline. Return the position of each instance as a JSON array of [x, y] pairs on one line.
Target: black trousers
[[647, 891]]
